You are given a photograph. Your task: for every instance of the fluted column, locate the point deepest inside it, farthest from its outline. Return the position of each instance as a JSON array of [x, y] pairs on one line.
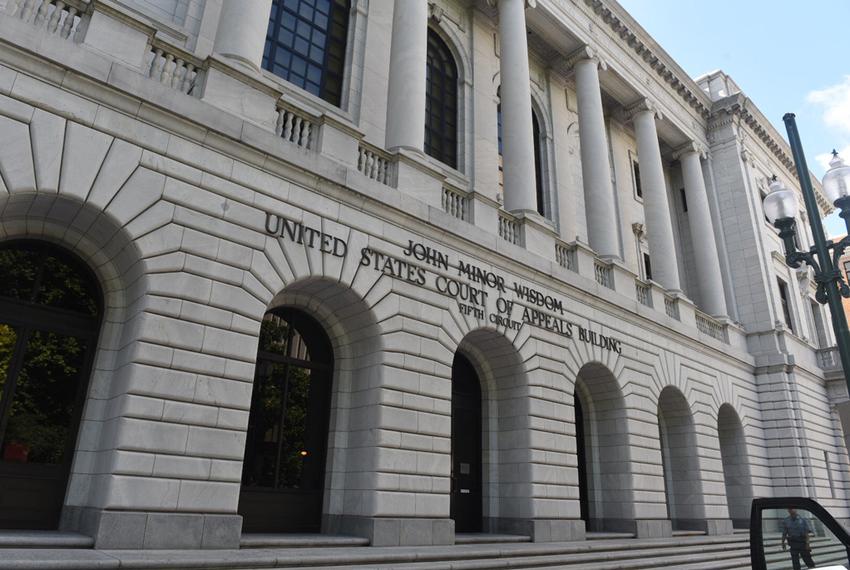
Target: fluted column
[[517, 131], [712, 297], [242, 30], [408, 61], [595, 164], [659, 226]]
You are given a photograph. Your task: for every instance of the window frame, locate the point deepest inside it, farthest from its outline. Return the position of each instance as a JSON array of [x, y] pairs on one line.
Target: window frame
[[449, 139]]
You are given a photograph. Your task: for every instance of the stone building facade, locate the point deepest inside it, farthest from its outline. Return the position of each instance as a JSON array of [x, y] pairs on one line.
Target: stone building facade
[[396, 269]]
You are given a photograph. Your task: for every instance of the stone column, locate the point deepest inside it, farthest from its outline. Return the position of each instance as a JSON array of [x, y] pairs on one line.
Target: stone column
[[519, 178], [659, 226], [408, 60], [595, 164], [712, 296], [242, 30]]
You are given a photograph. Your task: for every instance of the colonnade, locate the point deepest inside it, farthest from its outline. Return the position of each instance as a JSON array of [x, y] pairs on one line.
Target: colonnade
[[241, 37]]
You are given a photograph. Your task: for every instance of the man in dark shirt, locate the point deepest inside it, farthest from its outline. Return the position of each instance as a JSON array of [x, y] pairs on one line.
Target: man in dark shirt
[[795, 532]]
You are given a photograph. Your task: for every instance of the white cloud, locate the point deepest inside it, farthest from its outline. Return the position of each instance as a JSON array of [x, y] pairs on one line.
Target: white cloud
[[835, 101], [823, 159]]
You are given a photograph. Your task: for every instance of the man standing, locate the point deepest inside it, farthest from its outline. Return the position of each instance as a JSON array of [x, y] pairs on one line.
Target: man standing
[[796, 531]]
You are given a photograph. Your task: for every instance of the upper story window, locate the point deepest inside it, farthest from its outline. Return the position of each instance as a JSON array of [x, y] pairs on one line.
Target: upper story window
[[306, 44], [784, 299], [636, 177], [441, 102]]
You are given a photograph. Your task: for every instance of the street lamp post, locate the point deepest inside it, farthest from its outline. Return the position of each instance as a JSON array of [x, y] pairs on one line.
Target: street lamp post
[[780, 206]]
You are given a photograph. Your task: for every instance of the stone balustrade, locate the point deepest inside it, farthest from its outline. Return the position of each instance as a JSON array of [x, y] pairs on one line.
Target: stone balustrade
[[602, 274], [456, 203], [565, 255], [712, 327], [374, 163], [295, 127], [58, 17], [508, 227], [671, 307], [173, 67], [643, 292], [828, 358]]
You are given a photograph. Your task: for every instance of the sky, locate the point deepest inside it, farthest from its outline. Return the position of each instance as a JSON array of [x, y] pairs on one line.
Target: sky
[[785, 55]]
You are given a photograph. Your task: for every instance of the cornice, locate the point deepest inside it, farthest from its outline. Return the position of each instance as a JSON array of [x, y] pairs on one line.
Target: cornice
[[738, 108], [691, 96]]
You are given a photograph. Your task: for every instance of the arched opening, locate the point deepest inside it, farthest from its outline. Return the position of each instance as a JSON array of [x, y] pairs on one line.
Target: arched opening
[[466, 485], [736, 466], [50, 315], [682, 483], [283, 474], [441, 102], [306, 44], [602, 448]]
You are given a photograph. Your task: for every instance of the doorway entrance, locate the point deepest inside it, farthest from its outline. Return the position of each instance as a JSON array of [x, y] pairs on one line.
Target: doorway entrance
[[283, 475], [466, 495], [50, 309]]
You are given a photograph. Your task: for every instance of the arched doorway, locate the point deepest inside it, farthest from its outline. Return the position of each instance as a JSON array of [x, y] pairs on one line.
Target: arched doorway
[[50, 312], [736, 466], [603, 451], [283, 475], [680, 463], [466, 492]]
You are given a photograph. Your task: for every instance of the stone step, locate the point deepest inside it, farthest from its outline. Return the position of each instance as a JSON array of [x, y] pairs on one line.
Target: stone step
[[43, 539], [650, 559], [261, 540], [609, 535], [486, 538]]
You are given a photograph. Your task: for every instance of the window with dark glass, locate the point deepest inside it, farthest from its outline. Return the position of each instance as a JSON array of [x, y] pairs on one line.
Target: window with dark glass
[[538, 164], [647, 266], [784, 299], [306, 44], [49, 321], [283, 473], [441, 102], [636, 175], [684, 198]]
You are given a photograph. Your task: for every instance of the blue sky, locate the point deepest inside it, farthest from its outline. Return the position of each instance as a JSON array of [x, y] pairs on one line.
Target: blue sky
[[786, 55]]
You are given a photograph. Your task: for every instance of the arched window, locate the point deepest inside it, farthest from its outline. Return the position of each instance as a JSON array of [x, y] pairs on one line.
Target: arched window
[[441, 102], [538, 155], [306, 44], [50, 307], [283, 474]]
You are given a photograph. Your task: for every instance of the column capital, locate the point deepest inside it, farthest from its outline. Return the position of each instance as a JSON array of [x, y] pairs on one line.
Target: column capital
[[688, 148], [528, 3], [584, 53], [642, 106]]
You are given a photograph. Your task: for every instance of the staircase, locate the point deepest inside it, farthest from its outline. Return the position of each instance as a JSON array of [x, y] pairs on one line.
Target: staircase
[[471, 553]]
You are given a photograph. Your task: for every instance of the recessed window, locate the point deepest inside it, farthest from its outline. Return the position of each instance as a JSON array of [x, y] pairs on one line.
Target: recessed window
[[441, 102], [786, 307], [647, 266], [684, 199], [636, 176], [306, 45]]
